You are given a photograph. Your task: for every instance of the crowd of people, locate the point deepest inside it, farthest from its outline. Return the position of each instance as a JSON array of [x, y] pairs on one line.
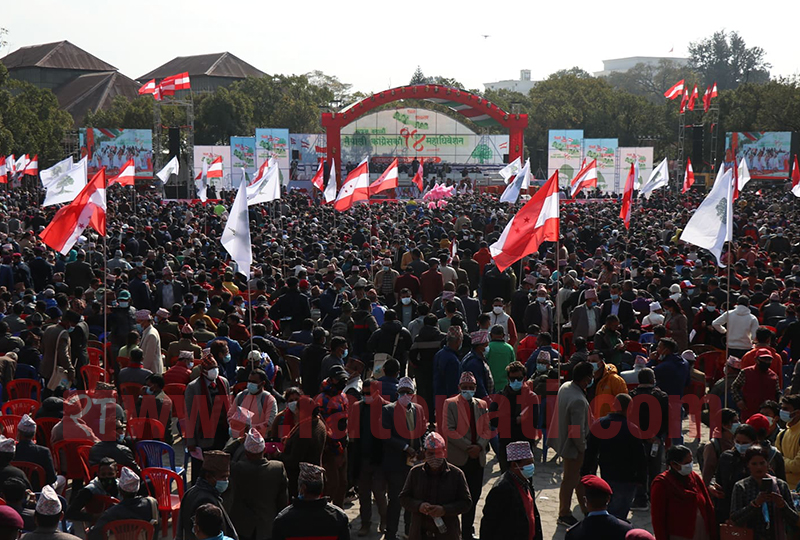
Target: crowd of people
[[379, 356]]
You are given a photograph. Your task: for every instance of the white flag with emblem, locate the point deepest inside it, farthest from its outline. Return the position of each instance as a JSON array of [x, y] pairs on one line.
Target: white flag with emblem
[[711, 225], [658, 179], [511, 169], [268, 188], [65, 187], [170, 168], [236, 236], [56, 171]]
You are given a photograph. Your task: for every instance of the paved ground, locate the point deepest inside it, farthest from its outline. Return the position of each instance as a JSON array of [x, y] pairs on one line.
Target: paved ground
[[547, 481]]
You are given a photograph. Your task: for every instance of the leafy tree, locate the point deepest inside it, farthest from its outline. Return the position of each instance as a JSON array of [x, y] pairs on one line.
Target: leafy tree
[[725, 58], [418, 77], [341, 91], [651, 81], [222, 114], [135, 114]]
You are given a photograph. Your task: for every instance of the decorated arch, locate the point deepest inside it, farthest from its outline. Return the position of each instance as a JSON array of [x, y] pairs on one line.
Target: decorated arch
[[473, 107]]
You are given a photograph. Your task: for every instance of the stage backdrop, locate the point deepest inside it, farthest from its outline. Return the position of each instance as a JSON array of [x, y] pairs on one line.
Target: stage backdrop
[[111, 148], [625, 157], [768, 153], [564, 153], [605, 152], [273, 143], [428, 136], [243, 156], [209, 154], [309, 147]]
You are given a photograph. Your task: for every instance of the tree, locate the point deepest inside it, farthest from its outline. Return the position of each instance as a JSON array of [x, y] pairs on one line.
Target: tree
[[651, 81], [341, 91], [125, 113], [288, 101], [725, 58], [221, 115], [418, 77]]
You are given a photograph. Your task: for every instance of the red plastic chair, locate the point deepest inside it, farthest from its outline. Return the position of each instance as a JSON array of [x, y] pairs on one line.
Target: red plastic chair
[[238, 387], [711, 363], [9, 423], [122, 361], [25, 389], [83, 452], [566, 342], [141, 429], [95, 356], [20, 407], [130, 389], [68, 460], [92, 375], [168, 503], [128, 529], [44, 430], [32, 470]]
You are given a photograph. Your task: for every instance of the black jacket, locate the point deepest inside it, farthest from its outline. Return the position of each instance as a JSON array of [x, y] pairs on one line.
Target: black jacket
[[621, 456], [196, 496], [504, 514], [32, 453], [315, 518], [606, 527], [310, 366], [625, 313], [644, 410], [383, 340], [292, 305]]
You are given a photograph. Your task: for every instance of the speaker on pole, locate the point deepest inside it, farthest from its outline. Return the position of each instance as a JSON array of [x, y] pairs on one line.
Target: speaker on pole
[[697, 147], [174, 142]]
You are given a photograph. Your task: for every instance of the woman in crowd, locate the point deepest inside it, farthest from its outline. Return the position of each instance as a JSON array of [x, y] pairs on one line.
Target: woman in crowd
[[676, 324], [730, 469]]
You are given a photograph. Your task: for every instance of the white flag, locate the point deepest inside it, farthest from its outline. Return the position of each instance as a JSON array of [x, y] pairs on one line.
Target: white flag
[[331, 190], [522, 181], [170, 168], [55, 172], [711, 225], [511, 169], [268, 188], [236, 236], [744, 174], [65, 187], [658, 179], [201, 183]]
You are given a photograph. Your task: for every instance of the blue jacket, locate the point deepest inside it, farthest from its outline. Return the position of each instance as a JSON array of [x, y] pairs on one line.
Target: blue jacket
[[445, 372], [672, 374], [606, 527], [474, 363]]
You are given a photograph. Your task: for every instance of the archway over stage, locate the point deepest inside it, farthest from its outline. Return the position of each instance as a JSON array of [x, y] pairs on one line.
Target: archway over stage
[[475, 108]]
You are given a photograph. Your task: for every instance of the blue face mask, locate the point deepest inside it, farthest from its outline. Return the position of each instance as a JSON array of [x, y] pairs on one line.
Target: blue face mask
[[735, 426], [541, 368], [742, 448], [468, 394], [595, 366], [252, 387], [591, 382], [711, 308], [615, 297], [344, 354], [221, 485], [227, 358], [516, 386], [786, 416], [149, 390], [528, 470], [71, 329]]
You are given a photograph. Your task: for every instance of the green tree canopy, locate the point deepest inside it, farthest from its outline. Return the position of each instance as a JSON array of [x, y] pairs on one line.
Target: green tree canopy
[[725, 58]]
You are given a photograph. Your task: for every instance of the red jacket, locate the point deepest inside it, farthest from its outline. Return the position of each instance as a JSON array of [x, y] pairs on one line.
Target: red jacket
[[482, 257], [674, 502], [431, 285]]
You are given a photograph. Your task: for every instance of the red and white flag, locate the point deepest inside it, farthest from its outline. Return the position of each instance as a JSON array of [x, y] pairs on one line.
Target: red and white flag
[[684, 101], [22, 163], [126, 176], [688, 177], [388, 180], [262, 171], [693, 98], [3, 171], [32, 167], [148, 88], [215, 168], [707, 99], [536, 222], [795, 178], [586, 178], [355, 188], [319, 178], [759, 193], [10, 164], [714, 92], [169, 85], [417, 180], [676, 90], [88, 208], [627, 197], [333, 185]]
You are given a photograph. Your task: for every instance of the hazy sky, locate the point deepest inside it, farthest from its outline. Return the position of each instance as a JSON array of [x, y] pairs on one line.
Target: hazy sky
[[375, 45]]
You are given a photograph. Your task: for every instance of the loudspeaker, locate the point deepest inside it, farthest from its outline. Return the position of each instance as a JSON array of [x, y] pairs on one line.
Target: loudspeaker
[[173, 191], [505, 158], [296, 155], [174, 142], [697, 148]]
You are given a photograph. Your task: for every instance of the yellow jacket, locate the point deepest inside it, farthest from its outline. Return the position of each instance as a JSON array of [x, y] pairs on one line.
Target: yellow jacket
[[610, 384]]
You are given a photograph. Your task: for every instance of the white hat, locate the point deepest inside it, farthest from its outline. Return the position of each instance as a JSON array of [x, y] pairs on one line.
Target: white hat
[[7, 445], [254, 442], [128, 481], [655, 306], [674, 288], [48, 504], [26, 425], [689, 355], [407, 383]]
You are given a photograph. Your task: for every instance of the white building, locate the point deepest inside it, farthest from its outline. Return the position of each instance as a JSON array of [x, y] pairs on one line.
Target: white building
[[621, 65], [523, 85]]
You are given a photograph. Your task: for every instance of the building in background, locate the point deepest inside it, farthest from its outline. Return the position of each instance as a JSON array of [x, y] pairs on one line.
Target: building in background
[[81, 81], [621, 65], [523, 85], [207, 72]]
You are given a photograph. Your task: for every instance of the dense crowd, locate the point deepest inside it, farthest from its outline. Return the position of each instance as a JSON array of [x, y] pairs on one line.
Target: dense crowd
[[380, 356]]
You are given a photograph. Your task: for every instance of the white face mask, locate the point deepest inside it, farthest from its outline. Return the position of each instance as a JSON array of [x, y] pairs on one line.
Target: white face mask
[[292, 406], [685, 469], [406, 301], [497, 310], [212, 374]]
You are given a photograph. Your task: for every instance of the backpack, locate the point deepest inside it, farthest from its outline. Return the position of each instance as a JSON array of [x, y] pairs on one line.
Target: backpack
[[699, 455]]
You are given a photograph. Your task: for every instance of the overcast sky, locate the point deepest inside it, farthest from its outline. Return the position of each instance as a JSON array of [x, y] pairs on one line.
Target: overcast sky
[[376, 45]]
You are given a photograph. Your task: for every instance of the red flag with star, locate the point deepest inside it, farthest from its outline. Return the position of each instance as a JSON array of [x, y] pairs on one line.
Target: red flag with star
[[88, 208]]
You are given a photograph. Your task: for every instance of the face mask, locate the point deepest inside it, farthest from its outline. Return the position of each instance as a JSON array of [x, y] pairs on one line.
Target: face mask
[[689, 292], [675, 296], [344, 354], [590, 304], [149, 391], [70, 329], [771, 420], [137, 327], [595, 366], [786, 416], [123, 304], [221, 485], [404, 399], [615, 297], [227, 358], [541, 368], [212, 374], [316, 314], [685, 469], [434, 463], [497, 310], [528, 470], [292, 406], [735, 426], [406, 301], [742, 448], [252, 388], [591, 382], [711, 308], [516, 386], [541, 299], [121, 438], [468, 394]]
